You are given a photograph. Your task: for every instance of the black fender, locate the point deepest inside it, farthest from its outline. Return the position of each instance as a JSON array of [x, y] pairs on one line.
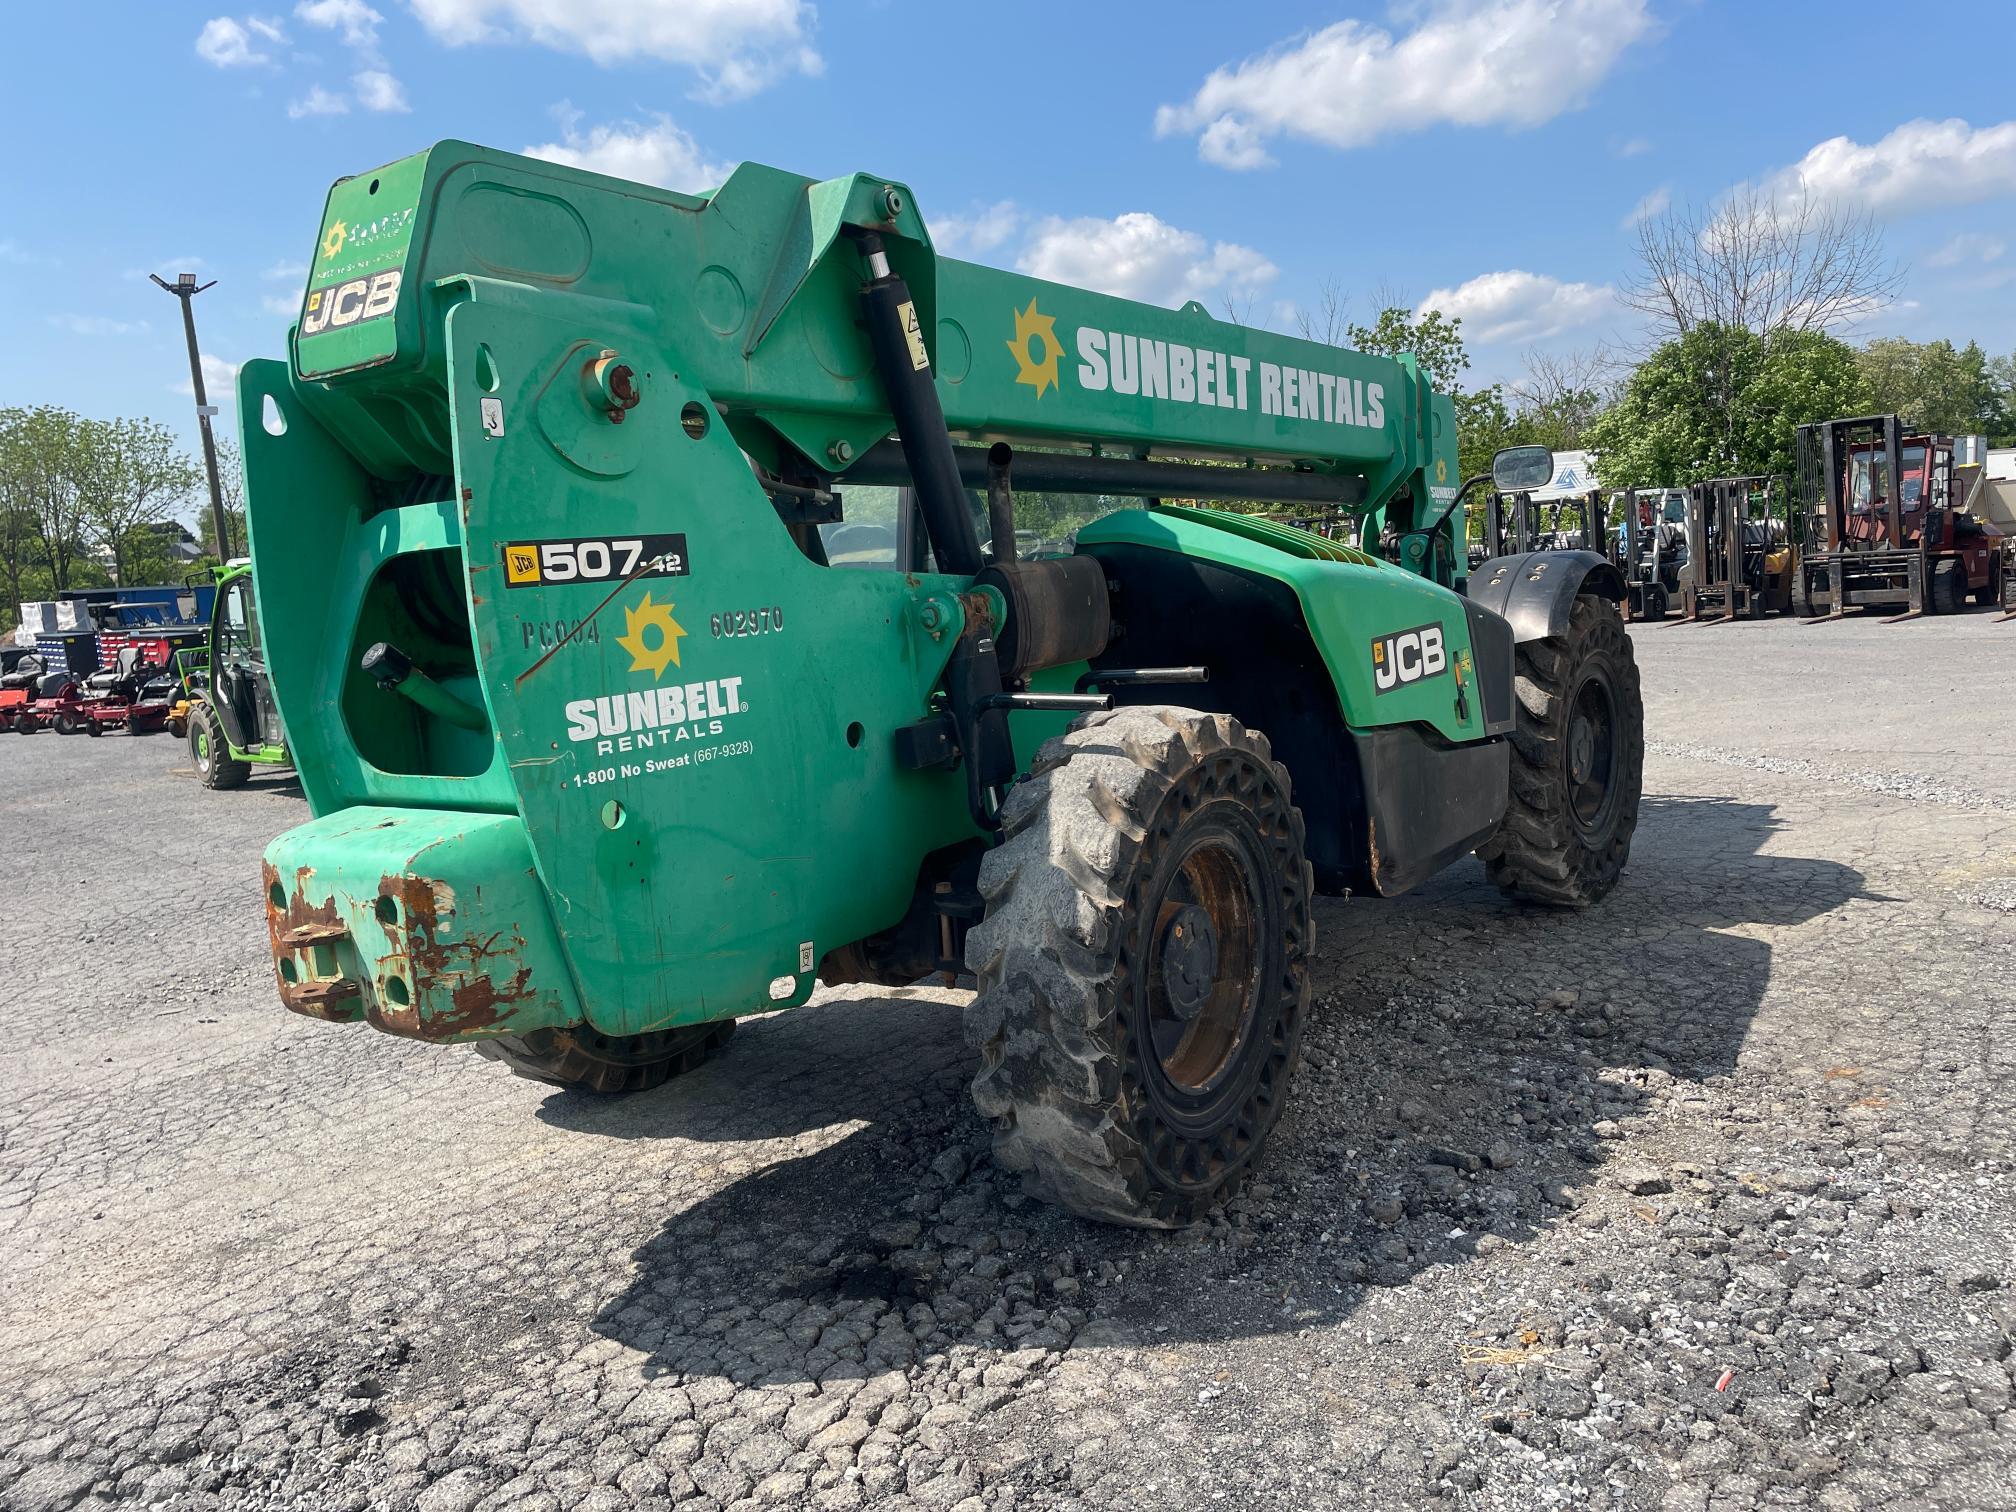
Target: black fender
[[1536, 590]]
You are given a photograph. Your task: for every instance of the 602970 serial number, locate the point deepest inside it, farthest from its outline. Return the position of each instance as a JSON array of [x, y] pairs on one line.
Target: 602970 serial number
[[735, 623]]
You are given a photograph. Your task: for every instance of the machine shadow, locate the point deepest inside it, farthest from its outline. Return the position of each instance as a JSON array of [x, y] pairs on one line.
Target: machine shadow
[[838, 1213]]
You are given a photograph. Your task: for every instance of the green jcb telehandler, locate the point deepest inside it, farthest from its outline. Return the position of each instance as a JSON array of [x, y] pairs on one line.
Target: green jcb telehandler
[[225, 707], [604, 751]]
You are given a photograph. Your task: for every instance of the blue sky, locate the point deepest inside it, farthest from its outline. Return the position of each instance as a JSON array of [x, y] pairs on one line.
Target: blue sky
[[1485, 154]]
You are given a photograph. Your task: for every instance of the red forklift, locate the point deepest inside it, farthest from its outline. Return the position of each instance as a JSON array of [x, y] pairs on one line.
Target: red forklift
[[1884, 525]]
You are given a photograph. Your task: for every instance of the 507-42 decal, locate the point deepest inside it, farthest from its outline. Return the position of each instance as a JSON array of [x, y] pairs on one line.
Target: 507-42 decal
[[594, 559]]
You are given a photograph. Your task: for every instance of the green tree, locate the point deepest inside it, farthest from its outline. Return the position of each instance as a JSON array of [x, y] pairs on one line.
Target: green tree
[[2002, 410], [17, 515], [131, 478], [1435, 340], [1949, 391], [1723, 402], [40, 464]]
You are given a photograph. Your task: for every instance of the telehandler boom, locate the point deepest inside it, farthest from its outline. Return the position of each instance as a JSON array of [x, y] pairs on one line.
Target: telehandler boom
[[605, 749]]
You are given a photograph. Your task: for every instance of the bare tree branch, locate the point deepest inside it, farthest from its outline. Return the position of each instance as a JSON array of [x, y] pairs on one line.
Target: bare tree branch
[[1238, 305], [1329, 319], [1563, 389], [1761, 263]]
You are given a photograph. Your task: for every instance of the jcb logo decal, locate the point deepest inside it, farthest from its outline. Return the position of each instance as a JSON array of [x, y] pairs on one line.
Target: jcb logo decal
[[1407, 656], [352, 302]]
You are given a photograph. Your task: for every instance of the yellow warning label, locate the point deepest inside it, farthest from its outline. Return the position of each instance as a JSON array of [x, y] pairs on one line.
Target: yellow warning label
[[914, 334]]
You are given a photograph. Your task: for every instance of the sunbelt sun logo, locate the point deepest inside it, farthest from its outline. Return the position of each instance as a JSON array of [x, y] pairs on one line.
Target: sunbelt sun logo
[[665, 715], [1036, 349], [1126, 362]]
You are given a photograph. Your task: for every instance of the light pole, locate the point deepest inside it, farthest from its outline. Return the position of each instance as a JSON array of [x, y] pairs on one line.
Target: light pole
[[185, 288]]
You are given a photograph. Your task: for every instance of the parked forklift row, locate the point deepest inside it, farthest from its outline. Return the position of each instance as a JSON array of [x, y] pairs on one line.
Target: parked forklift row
[[1839, 536]]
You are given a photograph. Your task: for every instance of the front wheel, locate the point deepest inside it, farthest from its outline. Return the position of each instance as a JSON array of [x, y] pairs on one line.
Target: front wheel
[[1949, 587], [1143, 965], [1578, 761], [211, 753], [1802, 594]]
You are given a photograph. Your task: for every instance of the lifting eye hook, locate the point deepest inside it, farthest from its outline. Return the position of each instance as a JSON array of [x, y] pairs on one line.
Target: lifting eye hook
[[612, 385]]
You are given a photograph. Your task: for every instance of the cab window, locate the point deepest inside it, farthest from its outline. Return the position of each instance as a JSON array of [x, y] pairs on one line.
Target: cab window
[[239, 640]]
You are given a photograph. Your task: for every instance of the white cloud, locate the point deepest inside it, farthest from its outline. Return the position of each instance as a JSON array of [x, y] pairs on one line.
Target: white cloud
[[317, 102], [356, 20], [979, 230], [736, 46], [1515, 305], [1922, 165], [378, 90], [280, 304], [1655, 203], [1465, 63], [1140, 256], [98, 325], [653, 152], [230, 43], [293, 272], [1968, 247], [220, 382], [1632, 147]]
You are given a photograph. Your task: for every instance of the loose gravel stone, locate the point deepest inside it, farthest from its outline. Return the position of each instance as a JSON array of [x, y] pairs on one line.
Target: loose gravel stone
[[1695, 1199]]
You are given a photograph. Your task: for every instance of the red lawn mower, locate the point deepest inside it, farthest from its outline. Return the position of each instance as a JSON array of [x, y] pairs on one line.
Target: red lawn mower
[[133, 695]]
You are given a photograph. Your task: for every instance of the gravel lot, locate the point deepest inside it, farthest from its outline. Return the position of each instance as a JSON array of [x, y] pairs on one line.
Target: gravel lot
[[1701, 1199]]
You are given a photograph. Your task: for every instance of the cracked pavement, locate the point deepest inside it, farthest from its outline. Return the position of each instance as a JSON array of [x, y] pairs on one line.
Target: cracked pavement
[[1699, 1199]]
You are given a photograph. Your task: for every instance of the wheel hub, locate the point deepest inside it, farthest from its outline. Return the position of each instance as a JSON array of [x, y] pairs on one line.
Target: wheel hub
[[1204, 947], [1189, 959], [1592, 756], [1581, 749]]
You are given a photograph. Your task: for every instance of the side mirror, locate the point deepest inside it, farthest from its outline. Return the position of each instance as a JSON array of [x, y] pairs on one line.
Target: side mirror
[[1519, 468]]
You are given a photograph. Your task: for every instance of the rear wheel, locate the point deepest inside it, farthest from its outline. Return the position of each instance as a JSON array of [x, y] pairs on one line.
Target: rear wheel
[[1143, 965], [1578, 759], [64, 724], [208, 749], [584, 1057], [1655, 602], [1989, 594]]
